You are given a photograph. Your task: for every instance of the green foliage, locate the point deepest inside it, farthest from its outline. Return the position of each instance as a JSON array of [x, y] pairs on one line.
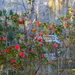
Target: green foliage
[[0, 13], [26, 53], [4, 12], [11, 12]]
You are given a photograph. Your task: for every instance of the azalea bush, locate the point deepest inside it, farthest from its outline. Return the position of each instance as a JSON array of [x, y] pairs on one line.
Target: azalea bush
[[19, 55]]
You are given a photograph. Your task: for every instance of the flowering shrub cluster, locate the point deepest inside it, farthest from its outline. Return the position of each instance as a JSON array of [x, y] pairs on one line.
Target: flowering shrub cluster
[[25, 55]]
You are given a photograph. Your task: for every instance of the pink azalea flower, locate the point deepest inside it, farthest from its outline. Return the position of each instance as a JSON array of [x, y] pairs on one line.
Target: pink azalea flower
[[13, 61], [17, 47], [51, 62], [22, 54], [43, 55], [56, 45]]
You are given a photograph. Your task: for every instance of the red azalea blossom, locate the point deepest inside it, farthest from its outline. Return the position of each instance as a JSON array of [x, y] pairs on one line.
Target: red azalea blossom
[[55, 30], [50, 27], [47, 34], [36, 37], [66, 26], [43, 55], [21, 67], [38, 23], [56, 52], [34, 29], [31, 50], [25, 56], [22, 54], [40, 39], [1, 54], [10, 47], [0, 41], [56, 45], [20, 21], [41, 33], [7, 50], [16, 66], [51, 62], [41, 44], [66, 19], [15, 16], [4, 38], [74, 11], [17, 47], [23, 50], [13, 61], [33, 73]]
